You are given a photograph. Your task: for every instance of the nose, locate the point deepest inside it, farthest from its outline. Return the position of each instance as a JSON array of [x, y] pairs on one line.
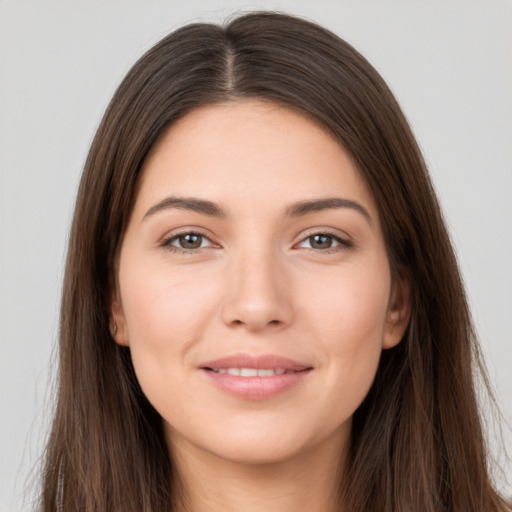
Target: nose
[[258, 295]]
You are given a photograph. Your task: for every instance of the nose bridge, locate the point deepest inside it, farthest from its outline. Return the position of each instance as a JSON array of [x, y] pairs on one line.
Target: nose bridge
[[256, 293]]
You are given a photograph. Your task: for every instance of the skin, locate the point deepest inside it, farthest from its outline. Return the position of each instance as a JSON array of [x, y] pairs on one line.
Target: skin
[[258, 284]]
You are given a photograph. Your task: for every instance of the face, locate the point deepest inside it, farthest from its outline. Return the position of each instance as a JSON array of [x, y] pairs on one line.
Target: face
[[254, 288]]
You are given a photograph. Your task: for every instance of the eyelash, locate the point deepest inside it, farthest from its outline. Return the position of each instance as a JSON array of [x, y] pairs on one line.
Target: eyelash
[[168, 241], [342, 243]]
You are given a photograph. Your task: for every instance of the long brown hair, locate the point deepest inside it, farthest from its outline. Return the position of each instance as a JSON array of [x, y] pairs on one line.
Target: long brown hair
[[417, 440]]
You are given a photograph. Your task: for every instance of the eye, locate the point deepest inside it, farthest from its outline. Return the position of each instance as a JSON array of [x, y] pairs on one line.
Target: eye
[[324, 242], [189, 241]]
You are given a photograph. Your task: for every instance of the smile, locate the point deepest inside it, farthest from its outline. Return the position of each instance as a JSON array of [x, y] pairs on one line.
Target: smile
[[249, 377], [252, 372]]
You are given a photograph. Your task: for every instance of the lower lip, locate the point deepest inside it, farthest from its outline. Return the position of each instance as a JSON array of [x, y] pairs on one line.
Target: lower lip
[[256, 388]]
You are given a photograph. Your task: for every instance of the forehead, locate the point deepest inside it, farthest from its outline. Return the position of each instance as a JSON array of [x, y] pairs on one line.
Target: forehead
[[249, 149]]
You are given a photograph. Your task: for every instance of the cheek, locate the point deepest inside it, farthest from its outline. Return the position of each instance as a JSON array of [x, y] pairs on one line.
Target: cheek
[[164, 308], [349, 318], [352, 302], [165, 320], [166, 314]]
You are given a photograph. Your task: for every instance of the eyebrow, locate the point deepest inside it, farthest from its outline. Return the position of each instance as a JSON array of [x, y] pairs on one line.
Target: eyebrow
[[304, 207], [187, 203], [297, 209]]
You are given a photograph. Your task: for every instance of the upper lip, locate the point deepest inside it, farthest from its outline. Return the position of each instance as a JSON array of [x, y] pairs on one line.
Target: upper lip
[[260, 362]]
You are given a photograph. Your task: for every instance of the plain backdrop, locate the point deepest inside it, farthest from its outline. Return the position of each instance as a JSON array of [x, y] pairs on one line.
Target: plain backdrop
[[448, 62]]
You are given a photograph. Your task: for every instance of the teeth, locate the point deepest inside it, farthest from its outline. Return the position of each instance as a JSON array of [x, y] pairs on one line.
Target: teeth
[[248, 372], [252, 372]]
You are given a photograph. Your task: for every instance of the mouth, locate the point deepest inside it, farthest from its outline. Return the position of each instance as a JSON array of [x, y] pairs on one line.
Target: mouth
[[255, 377], [254, 372]]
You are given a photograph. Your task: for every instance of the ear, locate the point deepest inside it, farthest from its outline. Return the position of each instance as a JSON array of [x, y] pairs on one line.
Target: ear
[[399, 312], [117, 319]]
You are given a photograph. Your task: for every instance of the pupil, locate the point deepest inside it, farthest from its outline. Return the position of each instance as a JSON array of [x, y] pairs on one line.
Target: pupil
[[321, 241], [190, 241]]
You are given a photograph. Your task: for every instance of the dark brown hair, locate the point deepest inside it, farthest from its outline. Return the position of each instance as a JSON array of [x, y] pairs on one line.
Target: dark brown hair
[[417, 439]]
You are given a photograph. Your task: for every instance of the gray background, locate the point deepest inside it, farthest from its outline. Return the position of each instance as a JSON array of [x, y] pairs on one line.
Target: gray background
[[449, 63]]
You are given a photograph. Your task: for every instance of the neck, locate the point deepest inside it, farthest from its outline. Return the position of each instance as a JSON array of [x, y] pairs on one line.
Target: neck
[[310, 481]]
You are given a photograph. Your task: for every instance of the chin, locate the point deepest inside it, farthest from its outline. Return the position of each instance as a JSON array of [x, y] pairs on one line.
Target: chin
[[261, 443], [258, 453]]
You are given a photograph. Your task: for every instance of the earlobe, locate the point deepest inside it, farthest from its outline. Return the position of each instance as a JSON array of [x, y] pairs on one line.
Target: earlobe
[[399, 312], [117, 320]]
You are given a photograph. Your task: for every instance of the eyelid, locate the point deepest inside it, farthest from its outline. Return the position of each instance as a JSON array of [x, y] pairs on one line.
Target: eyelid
[[344, 240], [166, 240]]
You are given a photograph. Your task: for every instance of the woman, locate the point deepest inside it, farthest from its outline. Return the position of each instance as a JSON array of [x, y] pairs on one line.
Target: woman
[[262, 309]]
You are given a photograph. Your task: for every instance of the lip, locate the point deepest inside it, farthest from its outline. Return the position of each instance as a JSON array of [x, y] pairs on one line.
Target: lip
[[255, 388]]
